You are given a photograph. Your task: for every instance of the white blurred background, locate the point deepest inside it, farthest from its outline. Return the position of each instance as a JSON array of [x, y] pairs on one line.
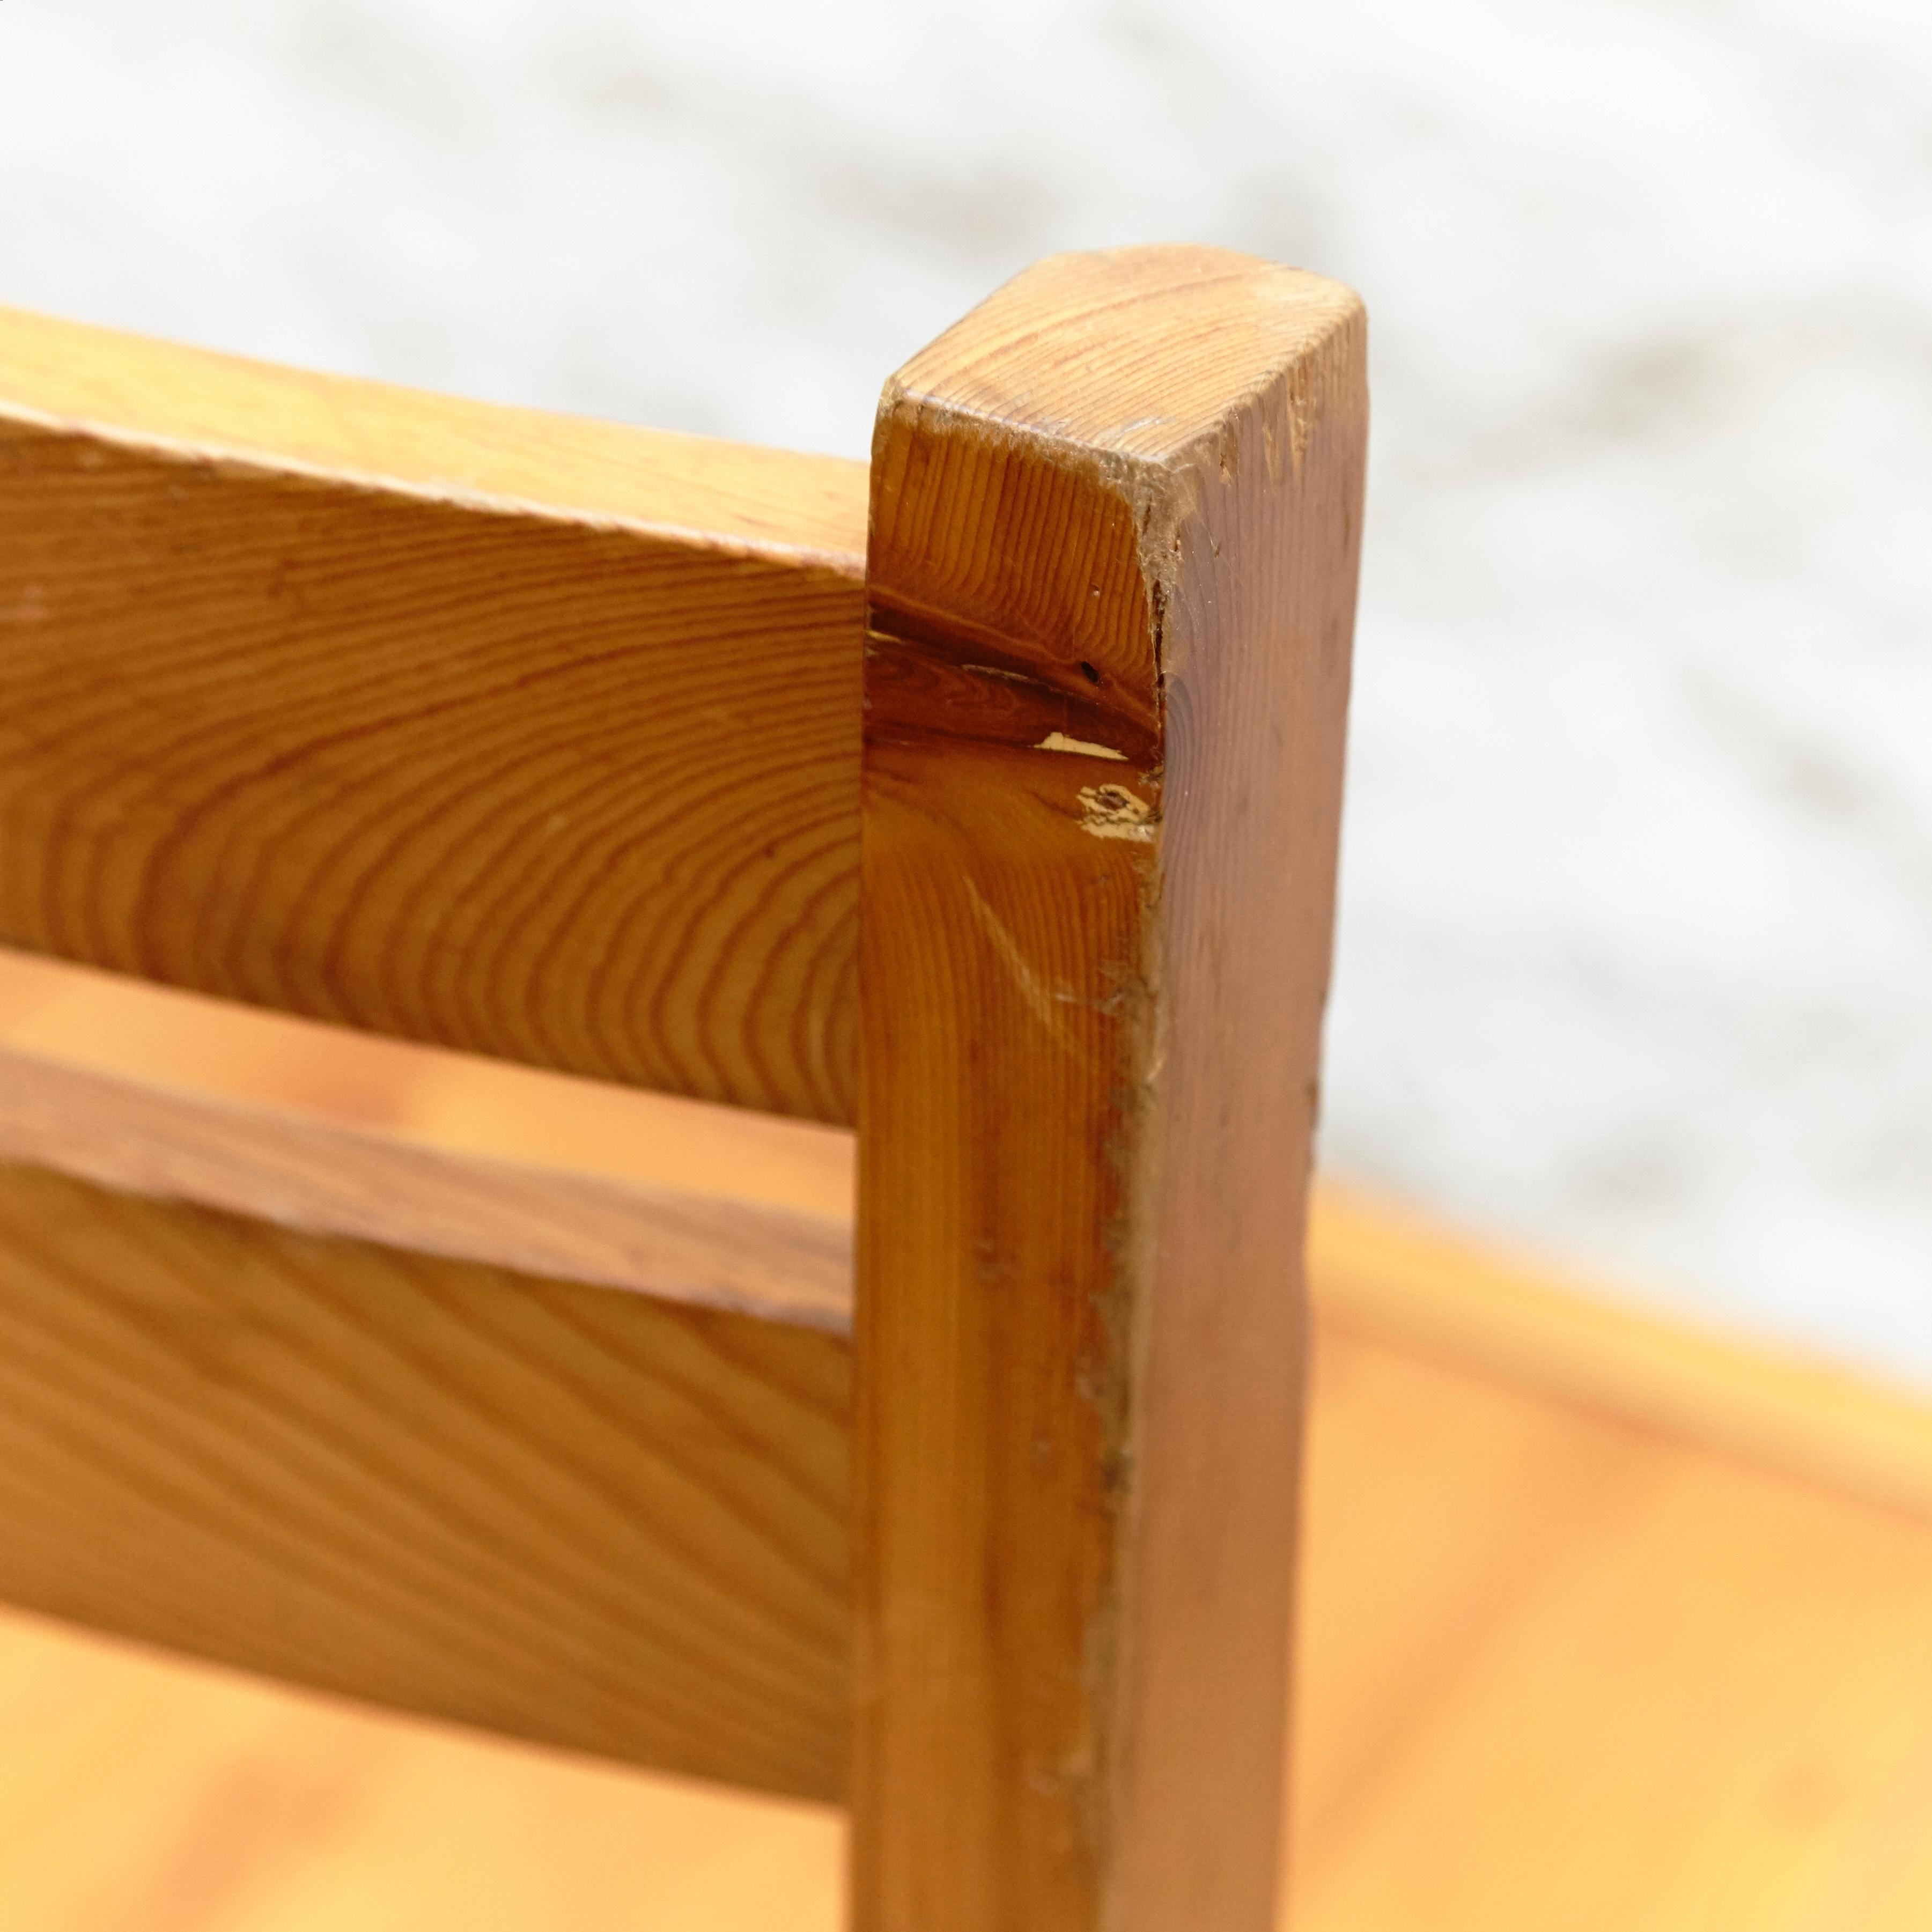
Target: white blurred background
[[1636, 958]]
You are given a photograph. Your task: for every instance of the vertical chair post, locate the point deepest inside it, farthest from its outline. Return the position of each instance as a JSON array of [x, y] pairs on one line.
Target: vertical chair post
[[1115, 519]]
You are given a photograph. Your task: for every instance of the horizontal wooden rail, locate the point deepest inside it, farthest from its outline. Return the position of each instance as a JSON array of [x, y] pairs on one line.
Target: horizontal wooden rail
[[600, 1520], [502, 731]]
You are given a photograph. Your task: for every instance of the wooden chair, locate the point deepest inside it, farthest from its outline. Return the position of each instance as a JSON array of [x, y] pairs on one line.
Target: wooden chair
[[1005, 837], [520, 852]]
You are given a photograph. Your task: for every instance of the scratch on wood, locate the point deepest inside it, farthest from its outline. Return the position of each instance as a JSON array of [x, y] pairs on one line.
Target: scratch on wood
[[1038, 1001]]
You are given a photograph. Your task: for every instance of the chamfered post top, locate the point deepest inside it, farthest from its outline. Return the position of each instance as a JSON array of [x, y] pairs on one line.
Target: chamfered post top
[[1137, 352], [1037, 470]]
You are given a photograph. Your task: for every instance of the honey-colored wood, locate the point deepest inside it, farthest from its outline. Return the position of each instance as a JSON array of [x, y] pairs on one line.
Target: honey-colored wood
[[1562, 1664], [569, 1512], [140, 1793], [1390, 1273], [313, 1127], [1559, 1668], [1110, 588], [497, 730]]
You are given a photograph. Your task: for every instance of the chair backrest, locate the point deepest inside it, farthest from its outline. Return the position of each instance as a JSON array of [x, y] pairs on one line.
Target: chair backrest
[[1007, 839]]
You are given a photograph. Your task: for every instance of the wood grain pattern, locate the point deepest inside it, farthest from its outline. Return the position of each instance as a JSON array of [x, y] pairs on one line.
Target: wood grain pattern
[[178, 1097], [496, 730], [595, 1518], [1557, 1668], [1110, 590]]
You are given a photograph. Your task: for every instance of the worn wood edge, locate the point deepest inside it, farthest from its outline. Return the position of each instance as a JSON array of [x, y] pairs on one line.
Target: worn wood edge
[[199, 406], [1196, 392], [1410, 1284], [1076, 438], [1152, 465], [172, 1096]]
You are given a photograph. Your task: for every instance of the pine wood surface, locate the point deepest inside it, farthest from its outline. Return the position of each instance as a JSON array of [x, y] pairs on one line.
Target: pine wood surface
[[1110, 588], [1563, 1663], [498, 730], [565, 1512]]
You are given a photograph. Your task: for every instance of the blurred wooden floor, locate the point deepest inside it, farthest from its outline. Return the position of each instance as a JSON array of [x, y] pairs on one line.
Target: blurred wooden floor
[[1605, 1626]]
